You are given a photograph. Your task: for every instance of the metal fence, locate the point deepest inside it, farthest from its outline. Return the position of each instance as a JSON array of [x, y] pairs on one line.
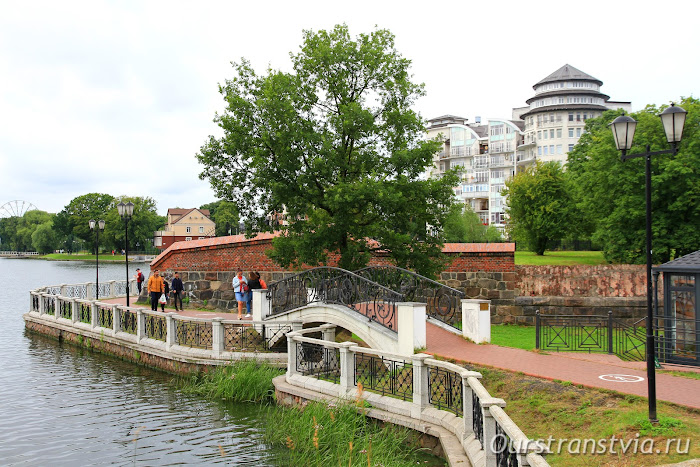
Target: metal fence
[[384, 375], [442, 302], [335, 286], [596, 333]]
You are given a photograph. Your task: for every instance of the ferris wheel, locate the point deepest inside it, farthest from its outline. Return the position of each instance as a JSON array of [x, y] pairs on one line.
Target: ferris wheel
[[16, 208]]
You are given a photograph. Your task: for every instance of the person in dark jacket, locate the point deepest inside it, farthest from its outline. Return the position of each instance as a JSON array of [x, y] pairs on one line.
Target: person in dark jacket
[[166, 292], [177, 291], [255, 282]]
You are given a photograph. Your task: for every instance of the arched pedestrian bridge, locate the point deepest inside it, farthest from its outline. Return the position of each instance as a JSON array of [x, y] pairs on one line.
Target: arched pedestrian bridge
[[385, 306]]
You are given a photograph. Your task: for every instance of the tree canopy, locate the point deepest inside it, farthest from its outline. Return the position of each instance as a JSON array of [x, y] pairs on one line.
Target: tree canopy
[[540, 206], [225, 215], [464, 226], [336, 147], [611, 193]]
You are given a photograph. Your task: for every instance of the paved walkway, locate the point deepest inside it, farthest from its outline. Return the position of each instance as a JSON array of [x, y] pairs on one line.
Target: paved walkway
[[187, 312], [584, 369]]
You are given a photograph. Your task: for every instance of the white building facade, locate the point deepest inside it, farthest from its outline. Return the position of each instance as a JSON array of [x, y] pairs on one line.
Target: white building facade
[[490, 153]]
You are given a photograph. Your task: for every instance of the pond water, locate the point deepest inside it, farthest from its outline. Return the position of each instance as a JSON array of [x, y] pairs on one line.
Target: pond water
[[61, 405]]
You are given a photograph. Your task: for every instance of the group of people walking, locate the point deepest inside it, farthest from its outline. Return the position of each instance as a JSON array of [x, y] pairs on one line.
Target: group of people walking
[[159, 290], [244, 287]]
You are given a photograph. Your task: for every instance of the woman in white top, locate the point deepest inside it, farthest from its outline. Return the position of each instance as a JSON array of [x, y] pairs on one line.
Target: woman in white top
[[240, 286]]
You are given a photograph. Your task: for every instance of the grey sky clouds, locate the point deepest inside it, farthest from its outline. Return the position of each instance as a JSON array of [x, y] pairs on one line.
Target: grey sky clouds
[[117, 97]]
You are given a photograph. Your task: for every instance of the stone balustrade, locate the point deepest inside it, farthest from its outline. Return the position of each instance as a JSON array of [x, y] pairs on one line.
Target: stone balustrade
[[418, 387]]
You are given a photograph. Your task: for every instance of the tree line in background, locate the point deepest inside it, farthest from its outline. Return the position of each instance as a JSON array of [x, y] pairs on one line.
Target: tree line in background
[[69, 230], [600, 198]]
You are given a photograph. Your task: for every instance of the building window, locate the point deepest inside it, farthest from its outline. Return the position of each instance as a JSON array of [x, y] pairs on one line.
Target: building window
[[571, 147], [551, 149], [551, 134], [571, 132], [189, 229], [201, 229], [201, 238], [559, 149], [545, 150], [187, 239], [571, 116], [558, 132], [539, 150], [578, 132]]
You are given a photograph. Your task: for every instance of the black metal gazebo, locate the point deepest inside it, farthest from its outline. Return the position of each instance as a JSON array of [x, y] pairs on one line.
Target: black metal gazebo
[[677, 336]]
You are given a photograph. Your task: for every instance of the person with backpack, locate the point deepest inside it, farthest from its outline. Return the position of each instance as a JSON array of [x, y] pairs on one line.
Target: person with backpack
[[255, 282], [139, 279], [240, 286]]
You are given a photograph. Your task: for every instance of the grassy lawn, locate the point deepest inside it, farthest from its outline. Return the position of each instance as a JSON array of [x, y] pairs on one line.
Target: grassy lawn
[[519, 337], [81, 257], [564, 411], [559, 258]]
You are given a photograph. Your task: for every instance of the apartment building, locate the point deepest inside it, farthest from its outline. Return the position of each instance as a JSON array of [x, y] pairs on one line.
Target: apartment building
[[184, 225], [556, 115], [546, 129]]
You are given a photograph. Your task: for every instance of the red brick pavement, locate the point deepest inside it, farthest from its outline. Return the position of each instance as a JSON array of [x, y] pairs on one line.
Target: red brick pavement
[[583, 369]]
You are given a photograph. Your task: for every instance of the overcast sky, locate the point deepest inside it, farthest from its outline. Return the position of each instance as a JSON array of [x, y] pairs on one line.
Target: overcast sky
[[117, 97]]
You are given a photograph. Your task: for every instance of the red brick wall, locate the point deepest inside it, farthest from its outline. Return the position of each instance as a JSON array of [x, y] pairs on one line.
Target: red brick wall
[[231, 253]]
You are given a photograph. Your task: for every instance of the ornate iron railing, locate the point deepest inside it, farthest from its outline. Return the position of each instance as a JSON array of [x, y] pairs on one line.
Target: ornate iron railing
[[65, 309], [120, 288], [84, 312], [336, 286], [246, 337], [105, 290], [129, 322], [155, 327], [75, 291], [384, 375], [596, 333], [318, 361], [445, 389], [477, 419], [194, 334], [506, 454], [442, 302], [104, 316], [50, 305], [35, 302]]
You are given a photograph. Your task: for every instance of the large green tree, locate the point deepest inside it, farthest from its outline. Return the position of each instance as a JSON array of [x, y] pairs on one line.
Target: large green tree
[[463, 225], [73, 220], [224, 214], [143, 223], [336, 146], [611, 193], [540, 206]]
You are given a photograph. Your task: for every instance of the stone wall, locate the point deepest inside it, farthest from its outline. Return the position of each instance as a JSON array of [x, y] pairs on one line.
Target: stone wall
[[482, 271]]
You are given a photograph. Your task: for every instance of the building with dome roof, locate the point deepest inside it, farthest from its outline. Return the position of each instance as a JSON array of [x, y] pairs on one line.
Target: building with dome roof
[[489, 153], [556, 115]]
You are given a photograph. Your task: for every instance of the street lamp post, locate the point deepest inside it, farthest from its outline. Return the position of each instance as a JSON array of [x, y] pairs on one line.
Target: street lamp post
[[100, 226], [623, 127], [126, 211]]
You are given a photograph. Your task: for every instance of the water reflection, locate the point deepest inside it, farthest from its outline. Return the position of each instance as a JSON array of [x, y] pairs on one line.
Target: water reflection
[[62, 405]]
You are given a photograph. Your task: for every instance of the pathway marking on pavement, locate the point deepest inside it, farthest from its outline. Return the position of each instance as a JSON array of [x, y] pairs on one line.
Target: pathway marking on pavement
[[616, 378]]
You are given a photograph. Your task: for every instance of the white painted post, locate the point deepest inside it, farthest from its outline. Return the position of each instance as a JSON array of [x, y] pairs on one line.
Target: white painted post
[[410, 319], [347, 367], [140, 325], [291, 353], [63, 290], [74, 310], [468, 401], [112, 289], [421, 390], [89, 293], [170, 329], [490, 429], [116, 319], [328, 332], [56, 311], [217, 338], [41, 303], [261, 305], [93, 315], [476, 320]]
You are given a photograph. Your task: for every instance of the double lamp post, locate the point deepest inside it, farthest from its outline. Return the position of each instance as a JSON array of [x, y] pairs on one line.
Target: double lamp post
[[623, 127], [125, 212]]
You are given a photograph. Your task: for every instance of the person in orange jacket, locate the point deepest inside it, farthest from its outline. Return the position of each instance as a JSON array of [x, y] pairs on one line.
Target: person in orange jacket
[[156, 287]]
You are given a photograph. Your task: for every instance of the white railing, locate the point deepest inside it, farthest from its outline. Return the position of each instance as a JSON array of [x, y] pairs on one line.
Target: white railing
[[416, 385], [18, 253], [88, 290], [206, 338]]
